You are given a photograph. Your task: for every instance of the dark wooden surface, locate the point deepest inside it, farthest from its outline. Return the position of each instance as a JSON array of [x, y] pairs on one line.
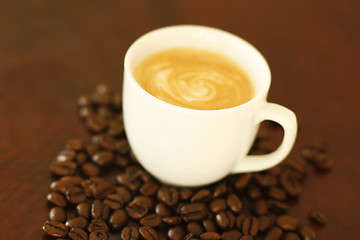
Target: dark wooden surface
[[53, 51]]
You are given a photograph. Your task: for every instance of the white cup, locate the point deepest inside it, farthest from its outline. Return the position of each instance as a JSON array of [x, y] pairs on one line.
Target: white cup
[[187, 147]]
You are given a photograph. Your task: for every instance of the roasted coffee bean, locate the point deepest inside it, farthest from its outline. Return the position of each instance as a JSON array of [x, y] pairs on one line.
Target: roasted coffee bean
[[124, 193], [86, 112], [89, 169], [79, 222], [291, 236], [162, 209], [176, 233], [103, 158], [55, 229], [57, 214], [75, 144], [96, 123], [307, 233], [239, 221], [145, 200], [84, 101], [324, 162], [130, 233], [81, 158], [277, 193], [114, 201], [63, 168], [118, 219], [169, 196], [122, 146], [148, 233], [172, 220], [234, 203], [98, 235], [66, 155], [209, 225], [277, 206], [75, 195], [217, 205], [57, 199], [61, 185], [231, 235], [195, 228], [250, 226], [92, 148], [133, 172], [76, 233], [194, 211], [83, 209], [190, 236], [202, 195], [149, 188], [260, 207], [210, 236], [101, 190], [287, 223], [122, 179], [265, 180], [225, 219], [115, 129], [151, 220], [317, 217], [186, 193], [98, 224], [100, 210], [121, 160], [136, 210], [220, 190], [296, 169], [105, 112], [104, 89], [247, 237], [116, 101], [242, 181], [253, 191], [274, 233], [264, 222], [290, 184]]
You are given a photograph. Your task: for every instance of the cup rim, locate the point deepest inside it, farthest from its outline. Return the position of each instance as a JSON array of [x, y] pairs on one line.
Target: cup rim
[[133, 81]]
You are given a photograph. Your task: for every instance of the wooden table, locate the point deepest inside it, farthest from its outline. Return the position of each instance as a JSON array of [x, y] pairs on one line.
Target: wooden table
[[53, 51]]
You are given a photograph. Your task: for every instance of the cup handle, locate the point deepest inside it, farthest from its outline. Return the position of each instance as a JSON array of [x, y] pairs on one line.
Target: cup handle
[[287, 119]]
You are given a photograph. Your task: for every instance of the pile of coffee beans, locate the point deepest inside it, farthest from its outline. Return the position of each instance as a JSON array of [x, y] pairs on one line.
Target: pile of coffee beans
[[100, 191]]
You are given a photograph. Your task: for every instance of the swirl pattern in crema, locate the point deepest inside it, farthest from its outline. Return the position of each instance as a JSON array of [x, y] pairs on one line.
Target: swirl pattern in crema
[[195, 79]]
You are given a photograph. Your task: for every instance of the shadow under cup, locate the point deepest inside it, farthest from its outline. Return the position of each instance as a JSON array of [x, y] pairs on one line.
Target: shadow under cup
[[188, 147]]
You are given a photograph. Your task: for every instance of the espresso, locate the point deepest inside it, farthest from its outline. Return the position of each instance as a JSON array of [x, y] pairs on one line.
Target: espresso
[[195, 79]]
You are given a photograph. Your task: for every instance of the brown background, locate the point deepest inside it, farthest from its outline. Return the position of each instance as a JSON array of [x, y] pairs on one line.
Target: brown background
[[53, 51]]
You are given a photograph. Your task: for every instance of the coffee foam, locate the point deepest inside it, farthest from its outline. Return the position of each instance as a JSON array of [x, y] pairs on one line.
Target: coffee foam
[[194, 79]]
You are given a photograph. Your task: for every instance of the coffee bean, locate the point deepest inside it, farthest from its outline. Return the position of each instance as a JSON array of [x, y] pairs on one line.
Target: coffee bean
[[242, 181], [66, 155], [239, 221], [260, 207], [75, 144], [296, 169], [225, 219], [274, 233], [89, 169], [103, 158], [277, 206], [176, 233], [77, 234], [145, 200], [63, 168], [290, 184], [101, 190], [151, 220], [75, 195], [148, 233], [172, 220], [169, 196], [98, 224], [130, 233], [203, 195], [195, 228], [265, 180], [210, 236], [217, 205], [307, 233], [86, 112], [317, 217], [231, 235], [100, 210], [81, 158], [136, 210], [194, 211], [247, 237], [124, 193], [250, 226], [98, 235], [264, 223], [79, 222], [190, 236], [162, 209], [92, 148], [118, 219], [114, 201], [234, 203], [291, 236], [324, 162], [149, 188], [83, 209], [122, 146], [115, 129], [57, 199], [287, 223], [84, 101], [121, 160], [57, 214], [220, 190], [253, 191], [277, 193], [122, 179], [96, 123], [209, 225], [61, 185], [186, 193], [55, 229]]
